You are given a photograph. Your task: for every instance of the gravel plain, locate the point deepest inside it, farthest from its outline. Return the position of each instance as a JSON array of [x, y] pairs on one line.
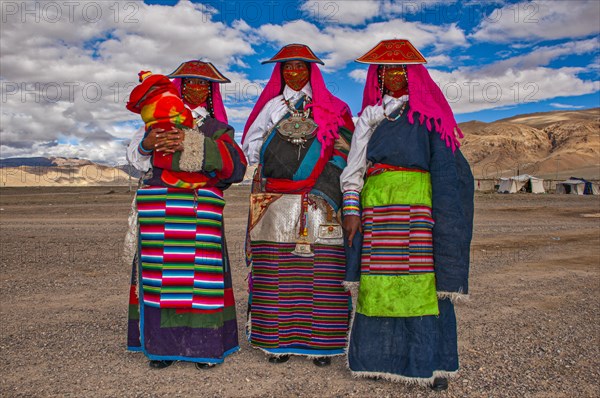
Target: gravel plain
[[530, 328]]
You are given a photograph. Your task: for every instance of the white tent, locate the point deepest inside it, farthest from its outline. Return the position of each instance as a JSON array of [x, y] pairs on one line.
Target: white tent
[[525, 181], [577, 186]]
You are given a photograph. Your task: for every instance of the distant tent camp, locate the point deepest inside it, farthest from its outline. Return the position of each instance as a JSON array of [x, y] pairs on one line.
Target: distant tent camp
[[577, 186], [523, 182]]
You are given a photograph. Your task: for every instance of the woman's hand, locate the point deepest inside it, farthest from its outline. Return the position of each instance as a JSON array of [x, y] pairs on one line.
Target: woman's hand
[[168, 141], [350, 225], [149, 142]]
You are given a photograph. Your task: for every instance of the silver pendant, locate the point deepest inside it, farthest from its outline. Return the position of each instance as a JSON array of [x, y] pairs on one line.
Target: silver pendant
[[297, 129]]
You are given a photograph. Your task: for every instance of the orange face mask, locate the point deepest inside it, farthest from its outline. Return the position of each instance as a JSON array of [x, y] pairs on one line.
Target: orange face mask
[[196, 94], [394, 81], [297, 77]]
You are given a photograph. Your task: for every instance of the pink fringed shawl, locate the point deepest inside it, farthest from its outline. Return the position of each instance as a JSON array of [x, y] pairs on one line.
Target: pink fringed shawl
[[217, 100], [329, 112], [425, 98]]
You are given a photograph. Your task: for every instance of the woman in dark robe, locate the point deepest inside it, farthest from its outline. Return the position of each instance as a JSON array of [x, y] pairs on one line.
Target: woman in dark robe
[[408, 215]]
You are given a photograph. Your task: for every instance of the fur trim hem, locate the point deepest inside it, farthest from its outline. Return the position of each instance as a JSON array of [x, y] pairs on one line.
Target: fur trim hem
[[282, 354], [248, 328], [421, 381], [455, 297], [130, 244], [352, 287], [192, 156]]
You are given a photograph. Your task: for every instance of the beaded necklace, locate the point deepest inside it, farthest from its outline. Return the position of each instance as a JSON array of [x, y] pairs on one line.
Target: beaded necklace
[[393, 119], [380, 78], [295, 112]]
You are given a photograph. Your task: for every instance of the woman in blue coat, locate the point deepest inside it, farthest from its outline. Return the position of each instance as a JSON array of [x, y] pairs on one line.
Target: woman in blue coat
[[408, 217]]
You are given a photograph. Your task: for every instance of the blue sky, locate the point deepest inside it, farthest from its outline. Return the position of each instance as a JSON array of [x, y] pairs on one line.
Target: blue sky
[[67, 68]]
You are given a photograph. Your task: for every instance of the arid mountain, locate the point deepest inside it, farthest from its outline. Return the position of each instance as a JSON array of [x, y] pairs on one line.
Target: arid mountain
[[541, 120], [71, 162], [59, 172], [44, 162], [549, 145]]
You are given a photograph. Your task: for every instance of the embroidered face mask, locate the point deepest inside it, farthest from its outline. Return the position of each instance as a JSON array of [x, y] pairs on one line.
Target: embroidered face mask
[[196, 91], [295, 74], [394, 81]]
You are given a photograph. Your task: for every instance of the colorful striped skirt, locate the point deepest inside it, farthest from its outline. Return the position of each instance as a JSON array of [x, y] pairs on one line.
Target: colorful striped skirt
[[298, 304], [181, 300]]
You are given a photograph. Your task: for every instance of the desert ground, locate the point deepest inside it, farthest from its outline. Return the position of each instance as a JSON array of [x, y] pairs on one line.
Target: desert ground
[[530, 328]]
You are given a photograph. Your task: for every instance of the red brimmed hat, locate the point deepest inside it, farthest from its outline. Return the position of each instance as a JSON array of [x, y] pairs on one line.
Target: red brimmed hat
[[295, 52], [199, 69], [393, 52]]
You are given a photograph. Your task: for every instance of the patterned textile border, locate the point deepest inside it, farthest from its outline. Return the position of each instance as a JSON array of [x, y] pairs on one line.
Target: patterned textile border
[[181, 247], [298, 302], [397, 240]]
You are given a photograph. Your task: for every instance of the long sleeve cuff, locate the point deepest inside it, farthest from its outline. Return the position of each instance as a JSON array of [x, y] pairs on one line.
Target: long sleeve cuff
[[143, 151], [351, 203]]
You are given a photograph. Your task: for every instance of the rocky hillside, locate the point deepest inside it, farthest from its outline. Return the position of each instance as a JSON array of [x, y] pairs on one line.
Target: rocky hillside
[[17, 172], [551, 144]]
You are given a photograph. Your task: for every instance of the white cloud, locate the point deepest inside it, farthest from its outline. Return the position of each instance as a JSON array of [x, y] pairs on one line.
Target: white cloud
[[359, 75], [540, 20], [439, 60], [238, 114], [566, 106], [354, 12], [402, 7], [358, 12], [542, 56], [241, 91], [66, 72], [66, 77], [471, 90], [340, 45], [102, 152], [594, 65]]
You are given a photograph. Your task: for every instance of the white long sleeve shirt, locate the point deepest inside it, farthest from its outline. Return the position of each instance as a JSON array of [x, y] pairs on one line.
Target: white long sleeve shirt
[[352, 178], [141, 162], [271, 113]]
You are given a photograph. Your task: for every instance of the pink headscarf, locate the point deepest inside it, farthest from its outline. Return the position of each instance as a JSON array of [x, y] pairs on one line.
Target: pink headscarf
[[425, 97], [217, 101], [329, 112]]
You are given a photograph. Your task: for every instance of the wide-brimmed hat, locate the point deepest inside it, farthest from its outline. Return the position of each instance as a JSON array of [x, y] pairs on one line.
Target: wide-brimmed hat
[[295, 52], [393, 52], [201, 70]]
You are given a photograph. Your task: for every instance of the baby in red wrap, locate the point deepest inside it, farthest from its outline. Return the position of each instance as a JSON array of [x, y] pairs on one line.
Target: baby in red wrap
[[157, 100]]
